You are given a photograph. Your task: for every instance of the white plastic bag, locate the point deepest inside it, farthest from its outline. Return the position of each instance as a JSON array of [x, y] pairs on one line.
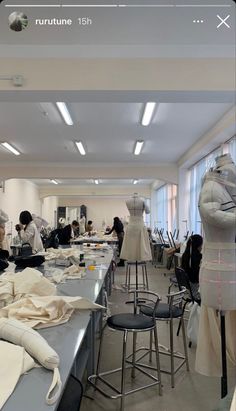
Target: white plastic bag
[[193, 323]]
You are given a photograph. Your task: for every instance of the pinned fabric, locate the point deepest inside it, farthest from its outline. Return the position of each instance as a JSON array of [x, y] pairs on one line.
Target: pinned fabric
[[43, 312], [14, 362]]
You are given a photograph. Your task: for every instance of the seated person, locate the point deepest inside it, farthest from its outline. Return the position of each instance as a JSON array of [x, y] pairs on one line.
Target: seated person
[[191, 259], [28, 231], [68, 232]]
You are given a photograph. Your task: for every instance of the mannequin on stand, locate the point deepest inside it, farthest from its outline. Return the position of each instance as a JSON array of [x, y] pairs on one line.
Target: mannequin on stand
[[82, 222], [136, 243], [217, 328]]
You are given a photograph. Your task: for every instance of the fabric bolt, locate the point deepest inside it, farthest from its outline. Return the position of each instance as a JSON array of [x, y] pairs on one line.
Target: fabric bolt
[[136, 243], [43, 312], [14, 362]]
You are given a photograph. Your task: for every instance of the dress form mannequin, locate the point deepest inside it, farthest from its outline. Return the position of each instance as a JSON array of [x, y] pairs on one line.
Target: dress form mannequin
[[82, 225], [217, 207], [136, 244]]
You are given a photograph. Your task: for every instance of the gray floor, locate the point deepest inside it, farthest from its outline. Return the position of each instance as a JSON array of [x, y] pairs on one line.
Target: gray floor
[[193, 392]]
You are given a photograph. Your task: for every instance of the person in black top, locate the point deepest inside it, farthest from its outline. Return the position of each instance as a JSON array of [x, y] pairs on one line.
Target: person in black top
[[119, 229], [191, 260], [68, 232]]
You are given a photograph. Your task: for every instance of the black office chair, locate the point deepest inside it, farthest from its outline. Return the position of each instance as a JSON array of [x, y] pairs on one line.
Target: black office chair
[[72, 395]]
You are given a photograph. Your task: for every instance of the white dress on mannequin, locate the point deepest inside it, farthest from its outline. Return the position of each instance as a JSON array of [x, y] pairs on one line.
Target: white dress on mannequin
[[136, 243], [217, 207], [82, 225]]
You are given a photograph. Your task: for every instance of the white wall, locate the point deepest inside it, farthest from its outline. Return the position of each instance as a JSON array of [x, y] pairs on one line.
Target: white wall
[[19, 195], [99, 208], [49, 208]]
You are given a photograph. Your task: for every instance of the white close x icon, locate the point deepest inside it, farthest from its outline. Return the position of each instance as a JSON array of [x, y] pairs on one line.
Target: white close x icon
[[223, 21]]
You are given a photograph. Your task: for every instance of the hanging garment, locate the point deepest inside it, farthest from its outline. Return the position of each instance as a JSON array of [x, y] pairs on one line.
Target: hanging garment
[[136, 243], [43, 312], [14, 362]]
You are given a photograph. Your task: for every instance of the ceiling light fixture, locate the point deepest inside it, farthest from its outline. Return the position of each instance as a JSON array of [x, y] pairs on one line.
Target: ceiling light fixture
[[10, 148], [80, 147], [62, 107], [96, 181], [148, 113], [135, 181], [138, 147], [54, 181]]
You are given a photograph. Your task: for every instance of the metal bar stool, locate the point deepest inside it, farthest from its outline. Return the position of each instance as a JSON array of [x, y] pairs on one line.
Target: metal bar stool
[[130, 323], [168, 312], [137, 285]]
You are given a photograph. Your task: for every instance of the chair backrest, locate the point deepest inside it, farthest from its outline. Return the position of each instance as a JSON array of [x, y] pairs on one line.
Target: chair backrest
[[183, 281], [145, 298], [176, 299]]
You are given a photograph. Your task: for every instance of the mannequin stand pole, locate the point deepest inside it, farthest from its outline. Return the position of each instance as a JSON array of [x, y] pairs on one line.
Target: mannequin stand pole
[[136, 273], [224, 384]]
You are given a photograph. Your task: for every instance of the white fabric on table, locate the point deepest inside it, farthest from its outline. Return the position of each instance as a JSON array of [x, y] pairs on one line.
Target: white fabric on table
[[14, 361], [14, 286], [43, 312]]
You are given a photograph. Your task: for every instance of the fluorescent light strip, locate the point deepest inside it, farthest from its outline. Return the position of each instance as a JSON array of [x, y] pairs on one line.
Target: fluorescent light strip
[[10, 148], [135, 181], [96, 181], [148, 113], [81, 148], [54, 181], [62, 107], [138, 147]]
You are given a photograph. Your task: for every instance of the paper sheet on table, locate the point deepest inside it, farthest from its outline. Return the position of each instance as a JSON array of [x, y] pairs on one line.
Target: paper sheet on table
[[14, 361], [42, 312]]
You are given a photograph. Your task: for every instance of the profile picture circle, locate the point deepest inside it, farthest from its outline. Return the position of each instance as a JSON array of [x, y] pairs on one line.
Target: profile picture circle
[[18, 21]]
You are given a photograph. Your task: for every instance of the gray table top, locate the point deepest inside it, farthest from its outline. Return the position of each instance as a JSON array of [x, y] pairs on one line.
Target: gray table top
[[66, 339]]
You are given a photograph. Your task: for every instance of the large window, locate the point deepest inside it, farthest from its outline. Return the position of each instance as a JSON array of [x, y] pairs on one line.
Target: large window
[[166, 205]]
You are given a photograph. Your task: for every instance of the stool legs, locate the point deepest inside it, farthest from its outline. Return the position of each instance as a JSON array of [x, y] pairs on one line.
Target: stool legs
[[172, 355], [185, 343], [123, 372], [150, 347], [134, 354], [157, 359]]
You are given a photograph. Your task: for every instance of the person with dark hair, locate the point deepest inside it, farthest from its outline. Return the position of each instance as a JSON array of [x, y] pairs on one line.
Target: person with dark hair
[[191, 260], [68, 232], [28, 231], [89, 226], [119, 229]]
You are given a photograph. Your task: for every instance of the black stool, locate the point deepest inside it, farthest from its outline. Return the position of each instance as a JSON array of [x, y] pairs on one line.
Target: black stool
[[169, 312], [133, 323], [136, 264]]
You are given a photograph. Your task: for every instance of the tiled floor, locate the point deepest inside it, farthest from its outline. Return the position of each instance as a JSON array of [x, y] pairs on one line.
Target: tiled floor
[[193, 392]]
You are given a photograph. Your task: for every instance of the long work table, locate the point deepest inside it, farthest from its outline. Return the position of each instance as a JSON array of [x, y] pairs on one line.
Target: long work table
[[74, 341]]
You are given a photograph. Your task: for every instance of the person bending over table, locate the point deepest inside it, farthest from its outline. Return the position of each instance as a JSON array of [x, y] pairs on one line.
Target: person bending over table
[[119, 229], [68, 232]]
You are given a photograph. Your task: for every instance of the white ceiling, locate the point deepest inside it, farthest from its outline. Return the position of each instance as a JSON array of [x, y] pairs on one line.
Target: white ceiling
[[90, 182], [108, 130]]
